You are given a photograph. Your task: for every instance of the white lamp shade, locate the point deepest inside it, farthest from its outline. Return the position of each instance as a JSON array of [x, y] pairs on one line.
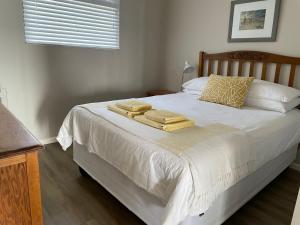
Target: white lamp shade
[[188, 68]]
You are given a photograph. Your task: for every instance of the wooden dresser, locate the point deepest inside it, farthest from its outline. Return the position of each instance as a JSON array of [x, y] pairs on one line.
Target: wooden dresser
[[20, 196]]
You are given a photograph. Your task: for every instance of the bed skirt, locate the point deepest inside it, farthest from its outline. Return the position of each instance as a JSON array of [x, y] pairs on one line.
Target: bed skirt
[[149, 209]]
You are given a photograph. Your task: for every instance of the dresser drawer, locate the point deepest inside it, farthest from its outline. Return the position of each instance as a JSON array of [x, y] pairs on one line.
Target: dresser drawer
[[20, 195], [14, 191], [20, 200]]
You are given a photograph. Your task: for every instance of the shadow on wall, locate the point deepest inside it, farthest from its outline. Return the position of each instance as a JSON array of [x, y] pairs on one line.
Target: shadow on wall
[[79, 76]]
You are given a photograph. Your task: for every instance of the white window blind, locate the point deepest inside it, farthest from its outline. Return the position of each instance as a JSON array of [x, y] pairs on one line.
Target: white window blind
[[83, 23]]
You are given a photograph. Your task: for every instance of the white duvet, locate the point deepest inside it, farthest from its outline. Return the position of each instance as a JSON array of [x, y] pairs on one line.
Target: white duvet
[[187, 184]]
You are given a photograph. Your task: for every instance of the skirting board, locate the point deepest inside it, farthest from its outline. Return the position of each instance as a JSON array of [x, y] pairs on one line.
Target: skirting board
[[48, 141], [295, 166]]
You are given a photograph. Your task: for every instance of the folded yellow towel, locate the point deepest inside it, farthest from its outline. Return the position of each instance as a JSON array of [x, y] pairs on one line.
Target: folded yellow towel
[[164, 116], [134, 106], [165, 127], [124, 112]]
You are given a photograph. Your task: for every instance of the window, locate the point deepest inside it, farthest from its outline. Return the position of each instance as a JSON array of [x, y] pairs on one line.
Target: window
[[83, 23]]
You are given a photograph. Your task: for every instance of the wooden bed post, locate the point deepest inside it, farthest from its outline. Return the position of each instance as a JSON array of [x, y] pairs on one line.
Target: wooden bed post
[[201, 64]]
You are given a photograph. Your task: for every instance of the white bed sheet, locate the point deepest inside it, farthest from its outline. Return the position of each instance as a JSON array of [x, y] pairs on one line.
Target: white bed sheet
[[125, 145], [150, 210]]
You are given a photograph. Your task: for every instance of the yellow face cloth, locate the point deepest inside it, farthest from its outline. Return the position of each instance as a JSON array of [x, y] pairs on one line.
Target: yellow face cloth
[[164, 116], [134, 106], [165, 127], [230, 91], [124, 112]]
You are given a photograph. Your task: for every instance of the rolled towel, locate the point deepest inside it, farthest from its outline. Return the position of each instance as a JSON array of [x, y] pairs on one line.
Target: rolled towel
[[134, 106], [164, 116], [165, 127], [124, 112]]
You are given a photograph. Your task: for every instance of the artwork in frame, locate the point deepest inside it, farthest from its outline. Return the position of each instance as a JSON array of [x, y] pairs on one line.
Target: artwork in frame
[[253, 20]]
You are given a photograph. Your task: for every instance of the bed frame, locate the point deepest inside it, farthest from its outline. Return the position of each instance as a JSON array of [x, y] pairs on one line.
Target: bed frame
[[149, 208], [248, 57]]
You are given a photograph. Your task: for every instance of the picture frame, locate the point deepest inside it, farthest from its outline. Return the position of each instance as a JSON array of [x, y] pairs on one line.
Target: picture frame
[[254, 20]]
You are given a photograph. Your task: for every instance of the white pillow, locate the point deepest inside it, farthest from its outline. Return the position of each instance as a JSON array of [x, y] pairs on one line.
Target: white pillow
[[192, 92], [268, 90], [259, 89], [272, 105], [196, 84]]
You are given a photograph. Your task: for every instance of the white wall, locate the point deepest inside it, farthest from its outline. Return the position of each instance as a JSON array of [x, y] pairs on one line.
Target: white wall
[[202, 25], [44, 82], [196, 25]]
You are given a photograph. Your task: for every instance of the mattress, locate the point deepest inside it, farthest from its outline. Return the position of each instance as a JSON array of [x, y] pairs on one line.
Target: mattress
[[186, 185]]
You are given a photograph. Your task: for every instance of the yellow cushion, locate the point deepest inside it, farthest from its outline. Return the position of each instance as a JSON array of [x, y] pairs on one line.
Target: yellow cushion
[[230, 91]]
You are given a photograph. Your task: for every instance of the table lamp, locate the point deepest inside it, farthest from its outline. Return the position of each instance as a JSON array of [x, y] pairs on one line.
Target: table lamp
[[187, 69]]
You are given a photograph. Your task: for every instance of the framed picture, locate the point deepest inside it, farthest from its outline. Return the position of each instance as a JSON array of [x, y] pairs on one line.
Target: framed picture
[[253, 20]]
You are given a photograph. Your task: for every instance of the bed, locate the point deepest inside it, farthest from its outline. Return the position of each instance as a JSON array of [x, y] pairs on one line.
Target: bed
[[138, 166]]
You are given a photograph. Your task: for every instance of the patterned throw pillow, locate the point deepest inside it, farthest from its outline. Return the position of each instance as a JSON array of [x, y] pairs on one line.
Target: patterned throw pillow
[[230, 91]]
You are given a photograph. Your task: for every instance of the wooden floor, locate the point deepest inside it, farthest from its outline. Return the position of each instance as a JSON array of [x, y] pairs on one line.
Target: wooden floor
[[70, 199]]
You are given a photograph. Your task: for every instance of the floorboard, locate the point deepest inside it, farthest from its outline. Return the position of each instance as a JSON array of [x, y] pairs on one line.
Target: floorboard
[[70, 199]]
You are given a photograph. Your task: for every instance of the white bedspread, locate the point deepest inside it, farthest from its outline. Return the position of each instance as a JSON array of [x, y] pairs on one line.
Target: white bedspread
[[187, 184]]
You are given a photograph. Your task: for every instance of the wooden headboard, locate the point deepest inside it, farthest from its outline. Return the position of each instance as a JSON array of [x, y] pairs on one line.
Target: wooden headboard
[[250, 57]]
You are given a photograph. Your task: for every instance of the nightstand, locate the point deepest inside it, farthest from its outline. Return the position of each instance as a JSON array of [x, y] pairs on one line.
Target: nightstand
[[159, 92]]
